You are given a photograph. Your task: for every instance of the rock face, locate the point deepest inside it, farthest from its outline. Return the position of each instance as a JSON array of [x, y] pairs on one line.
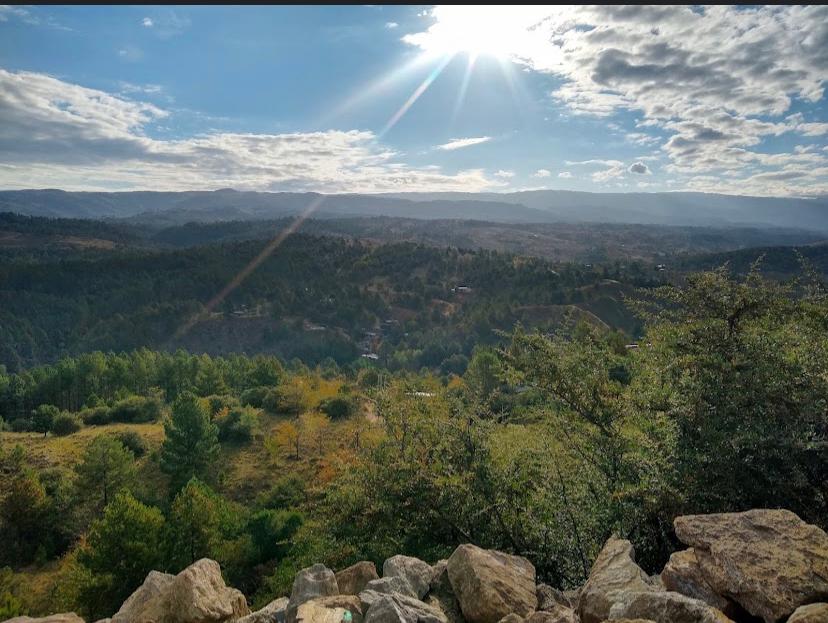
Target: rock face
[[665, 607], [490, 584], [329, 609], [768, 561], [352, 580], [274, 612], [613, 575], [557, 614], [401, 609], [413, 570], [148, 603], [310, 583], [198, 595], [390, 586], [441, 594], [63, 617], [682, 574], [813, 613], [549, 598]]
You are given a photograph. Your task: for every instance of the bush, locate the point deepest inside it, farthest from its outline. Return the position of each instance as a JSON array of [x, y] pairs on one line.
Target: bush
[[255, 396], [96, 416], [65, 424], [286, 492], [240, 425], [337, 408], [288, 399], [218, 403], [136, 409], [133, 441], [22, 425]]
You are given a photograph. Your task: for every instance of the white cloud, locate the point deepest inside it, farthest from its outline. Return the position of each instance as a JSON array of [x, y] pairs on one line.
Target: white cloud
[[639, 168], [57, 134], [542, 173], [391, 25], [131, 53], [148, 89], [459, 143], [504, 175], [147, 22], [565, 175], [716, 80]]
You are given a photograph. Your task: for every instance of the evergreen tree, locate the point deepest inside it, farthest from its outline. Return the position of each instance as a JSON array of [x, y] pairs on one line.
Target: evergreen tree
[[191, 443], [107, 467], [193, 525], [43, 417]]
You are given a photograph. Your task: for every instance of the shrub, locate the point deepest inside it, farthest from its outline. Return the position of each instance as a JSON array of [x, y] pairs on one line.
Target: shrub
[[218, 403], [337, 408], [137, 409], [95, 416], [65, 424], [288, 398], [22, 425], [255, 396], [240, 425], [133, 441]]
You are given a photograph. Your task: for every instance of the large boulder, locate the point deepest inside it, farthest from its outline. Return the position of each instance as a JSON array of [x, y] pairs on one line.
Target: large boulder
[[768, 561], [413, 570], [441, 594], [199, 595], [613, 574], [391, 586], [556, 614], [549, 598], [812, 613], [310, 583], [490, 584], [62, 617], [682, 574], [352, 580], [149, 602], [402, 609], [329, 609], [665, 607], [274, 612]]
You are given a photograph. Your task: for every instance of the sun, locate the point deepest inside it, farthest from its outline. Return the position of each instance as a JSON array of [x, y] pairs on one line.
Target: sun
[[460, 31]]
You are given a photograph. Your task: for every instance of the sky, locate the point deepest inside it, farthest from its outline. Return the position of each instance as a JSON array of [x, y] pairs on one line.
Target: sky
[[415, 98]]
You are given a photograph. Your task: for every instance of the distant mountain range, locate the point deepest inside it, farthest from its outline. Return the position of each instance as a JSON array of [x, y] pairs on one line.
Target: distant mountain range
[[540, 206]]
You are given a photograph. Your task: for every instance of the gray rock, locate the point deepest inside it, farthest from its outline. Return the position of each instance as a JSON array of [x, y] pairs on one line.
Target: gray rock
[[148, 602], [62, 617], [329, 609], [490, 584], [613, 575], [557, 614], [549, 597], [274, 612], [401, 609], [812, 613], [391, 585], [310, 583], [199, 595], [352, 580], [512, 618], [665, 607], [413, 570], [441, 594], [682, 574]]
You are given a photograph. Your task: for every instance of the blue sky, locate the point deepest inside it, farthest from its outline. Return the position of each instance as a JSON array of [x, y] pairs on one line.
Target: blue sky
[[312, 98]]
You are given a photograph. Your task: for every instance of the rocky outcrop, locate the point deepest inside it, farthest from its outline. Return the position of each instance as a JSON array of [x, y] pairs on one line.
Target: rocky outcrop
[[274, 612], [148, 603], [390, 586], [490, 584], [402, 609], [682, 574], [352, 580], [329, 609], [613, 575], [413, 570], [549, 598], [768, 561], [310, 583], [63, 617], [441, 594], [198, 595], [665, 607], [556, 614], [812, 613]]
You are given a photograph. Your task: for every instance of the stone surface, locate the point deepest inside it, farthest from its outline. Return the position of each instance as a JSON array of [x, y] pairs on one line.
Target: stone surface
[[329, 609], [490, 584], [391, 585], [401, 609], [768, 561], [812, 613], [199, 595], [310, 583], [441, 594], [665, 607], [148, 603], [511, 618], [549, 597], [556, 614], [274, 612], [352, 580], [682, 574], [413, 570], [62, 617], [613, 574]]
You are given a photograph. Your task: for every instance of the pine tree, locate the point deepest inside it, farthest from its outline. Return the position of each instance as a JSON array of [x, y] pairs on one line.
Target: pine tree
[[106, 468], [191, 443]]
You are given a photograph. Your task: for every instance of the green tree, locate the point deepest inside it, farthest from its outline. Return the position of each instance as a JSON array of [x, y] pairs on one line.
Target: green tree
[[121, 548], [43, 417], [106, 468], [193, 524], [23, 512], [191, 442]]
